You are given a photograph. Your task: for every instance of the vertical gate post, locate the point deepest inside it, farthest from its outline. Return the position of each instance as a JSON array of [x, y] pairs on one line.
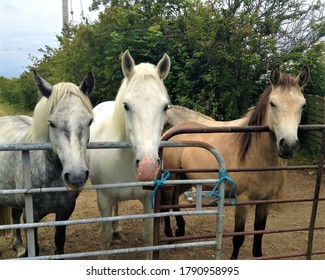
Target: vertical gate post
[[29, 211], [220, 218], [198, 192], [156, 223], [316, 197]]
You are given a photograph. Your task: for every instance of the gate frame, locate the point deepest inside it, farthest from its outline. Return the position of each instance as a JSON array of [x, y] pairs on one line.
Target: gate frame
[[236, 129], [28, 191]]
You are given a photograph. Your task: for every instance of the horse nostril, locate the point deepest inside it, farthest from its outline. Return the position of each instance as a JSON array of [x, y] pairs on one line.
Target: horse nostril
[[66, 177], [282, 142], [137, 162], [158, 161], [87, 174]]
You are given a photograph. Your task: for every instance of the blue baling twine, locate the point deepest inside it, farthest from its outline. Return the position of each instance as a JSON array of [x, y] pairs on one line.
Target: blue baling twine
[[158, 183], [233, 189]]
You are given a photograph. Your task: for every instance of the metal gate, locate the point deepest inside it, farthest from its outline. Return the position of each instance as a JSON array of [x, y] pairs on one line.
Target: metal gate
[[320, 169], [158, 246], [28, 192]]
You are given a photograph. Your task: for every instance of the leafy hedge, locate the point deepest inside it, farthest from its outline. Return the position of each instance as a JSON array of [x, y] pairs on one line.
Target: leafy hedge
[[221, 51]]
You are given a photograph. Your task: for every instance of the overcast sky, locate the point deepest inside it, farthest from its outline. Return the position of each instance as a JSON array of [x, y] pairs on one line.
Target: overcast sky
[[28, 25]]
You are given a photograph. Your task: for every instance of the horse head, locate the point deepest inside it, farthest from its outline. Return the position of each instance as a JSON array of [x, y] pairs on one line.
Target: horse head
[[145, 103], [285, 105], [69, 116]]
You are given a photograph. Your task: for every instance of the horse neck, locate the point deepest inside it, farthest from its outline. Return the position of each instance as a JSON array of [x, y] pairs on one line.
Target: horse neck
[[50, 161], [53, 165], [176, 115]]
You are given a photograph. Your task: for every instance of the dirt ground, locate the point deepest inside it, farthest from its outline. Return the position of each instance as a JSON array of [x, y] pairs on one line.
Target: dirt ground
[[301, 184]]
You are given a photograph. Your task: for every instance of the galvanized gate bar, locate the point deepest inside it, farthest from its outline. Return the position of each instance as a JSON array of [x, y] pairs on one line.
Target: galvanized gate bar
[[106, 186], [126, 250], [29, 212], [198, 204], [108, 219], [47, 146]]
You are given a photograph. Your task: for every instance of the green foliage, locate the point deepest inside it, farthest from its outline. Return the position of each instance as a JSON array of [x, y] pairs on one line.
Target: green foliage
[[9, 90], [221, 51], [21, 93], [28, 92], [306, 155], [316, 61], [9, 110]]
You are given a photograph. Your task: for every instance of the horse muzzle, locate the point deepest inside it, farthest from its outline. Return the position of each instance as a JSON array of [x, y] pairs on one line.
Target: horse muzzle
[[76, 180], [147, 169], [288, 148]]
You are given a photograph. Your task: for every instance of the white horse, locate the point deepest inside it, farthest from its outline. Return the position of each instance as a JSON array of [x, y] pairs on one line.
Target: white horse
[[137, 116], [62, 117]]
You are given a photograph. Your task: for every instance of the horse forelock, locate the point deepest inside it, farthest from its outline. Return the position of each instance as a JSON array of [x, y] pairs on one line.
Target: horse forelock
[[287, 81], [145, 71], [150, 71], [61, 92], [44, 108]]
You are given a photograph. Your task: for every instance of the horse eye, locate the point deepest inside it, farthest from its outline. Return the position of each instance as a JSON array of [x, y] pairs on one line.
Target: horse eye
[[272, 104], [126, 107], [52, 124]]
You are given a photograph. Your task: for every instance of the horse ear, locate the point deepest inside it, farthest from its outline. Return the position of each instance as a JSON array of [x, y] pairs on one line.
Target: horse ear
[[44, 87], [127, 64], [88, 84], [275, 75], [303, 76], [163, 66]]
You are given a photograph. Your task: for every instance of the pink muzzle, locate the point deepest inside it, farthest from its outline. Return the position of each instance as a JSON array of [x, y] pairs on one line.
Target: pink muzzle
[[147, 169]]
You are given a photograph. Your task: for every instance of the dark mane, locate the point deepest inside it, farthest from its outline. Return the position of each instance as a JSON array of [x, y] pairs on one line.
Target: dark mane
[[256, 114]]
